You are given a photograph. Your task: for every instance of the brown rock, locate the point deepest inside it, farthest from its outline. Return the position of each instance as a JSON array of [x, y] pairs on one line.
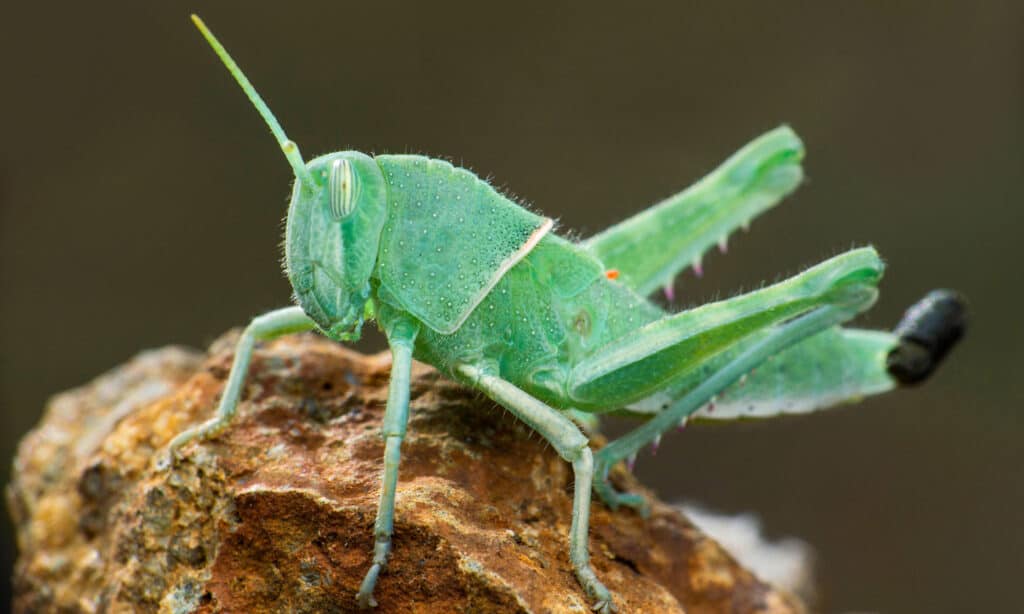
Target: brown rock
[[276, 514]]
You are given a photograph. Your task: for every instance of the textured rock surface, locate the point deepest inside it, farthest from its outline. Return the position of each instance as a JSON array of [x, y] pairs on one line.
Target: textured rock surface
[[276, 514]]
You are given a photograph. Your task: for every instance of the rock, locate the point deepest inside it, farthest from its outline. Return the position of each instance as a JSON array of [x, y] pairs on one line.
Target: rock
[[276, 513]]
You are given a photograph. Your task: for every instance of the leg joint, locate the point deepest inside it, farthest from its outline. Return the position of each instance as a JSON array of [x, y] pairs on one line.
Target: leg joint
[[584, 460]]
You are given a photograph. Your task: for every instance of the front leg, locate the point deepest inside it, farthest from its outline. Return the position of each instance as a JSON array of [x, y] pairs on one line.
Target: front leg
[[263, 328], [401, 337]]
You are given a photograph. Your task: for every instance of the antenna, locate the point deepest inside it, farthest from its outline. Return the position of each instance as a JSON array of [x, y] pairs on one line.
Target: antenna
[[290, 149]]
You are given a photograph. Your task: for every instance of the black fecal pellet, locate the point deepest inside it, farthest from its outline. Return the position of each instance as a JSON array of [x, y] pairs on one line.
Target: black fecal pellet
[[929, 329]]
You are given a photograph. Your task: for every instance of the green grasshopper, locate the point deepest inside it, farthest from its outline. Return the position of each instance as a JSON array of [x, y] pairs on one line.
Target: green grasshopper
[[458, 276]]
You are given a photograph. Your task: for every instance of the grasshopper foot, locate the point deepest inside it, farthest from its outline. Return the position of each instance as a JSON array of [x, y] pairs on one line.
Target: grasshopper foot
[[207, 430], [614, 498], [165, 460], [366, 601], [596, 590], [365, 595]]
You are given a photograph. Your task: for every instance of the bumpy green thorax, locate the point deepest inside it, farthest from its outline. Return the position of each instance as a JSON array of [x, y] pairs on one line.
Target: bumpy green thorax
[[448, 239], [330, 250]]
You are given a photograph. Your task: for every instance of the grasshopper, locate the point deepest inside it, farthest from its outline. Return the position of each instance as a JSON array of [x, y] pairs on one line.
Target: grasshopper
[[460, 277]]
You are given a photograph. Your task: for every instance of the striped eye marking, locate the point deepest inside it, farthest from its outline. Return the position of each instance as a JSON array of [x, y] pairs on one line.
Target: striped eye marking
[[341, 184]]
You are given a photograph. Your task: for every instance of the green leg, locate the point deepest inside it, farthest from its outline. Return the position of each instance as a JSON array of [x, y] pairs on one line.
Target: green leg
[[571, 445], [265, 327], [401, 337], [777, 340], [650, 248]]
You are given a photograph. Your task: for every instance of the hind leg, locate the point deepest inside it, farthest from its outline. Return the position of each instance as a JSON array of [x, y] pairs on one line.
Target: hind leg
[[813, 364], [650, 248], [775, 341]]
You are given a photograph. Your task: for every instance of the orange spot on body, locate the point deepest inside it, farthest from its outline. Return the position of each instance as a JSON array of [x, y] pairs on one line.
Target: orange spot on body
[[612, 273]]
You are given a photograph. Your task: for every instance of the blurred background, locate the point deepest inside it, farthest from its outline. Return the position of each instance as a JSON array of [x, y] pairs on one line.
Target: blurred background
[[141, 201]]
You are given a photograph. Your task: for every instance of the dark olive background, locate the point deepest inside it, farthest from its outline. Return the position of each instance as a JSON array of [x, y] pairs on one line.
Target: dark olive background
[[142, 202]]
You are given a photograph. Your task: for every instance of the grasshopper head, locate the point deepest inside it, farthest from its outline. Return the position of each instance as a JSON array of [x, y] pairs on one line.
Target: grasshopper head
[[334, 221], [333, 230]]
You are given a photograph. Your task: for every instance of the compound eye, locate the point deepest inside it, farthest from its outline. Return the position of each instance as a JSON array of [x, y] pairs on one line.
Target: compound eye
[[341, 185]]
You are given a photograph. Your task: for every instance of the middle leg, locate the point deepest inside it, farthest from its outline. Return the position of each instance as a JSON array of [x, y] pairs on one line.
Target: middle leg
[[573, 446]]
